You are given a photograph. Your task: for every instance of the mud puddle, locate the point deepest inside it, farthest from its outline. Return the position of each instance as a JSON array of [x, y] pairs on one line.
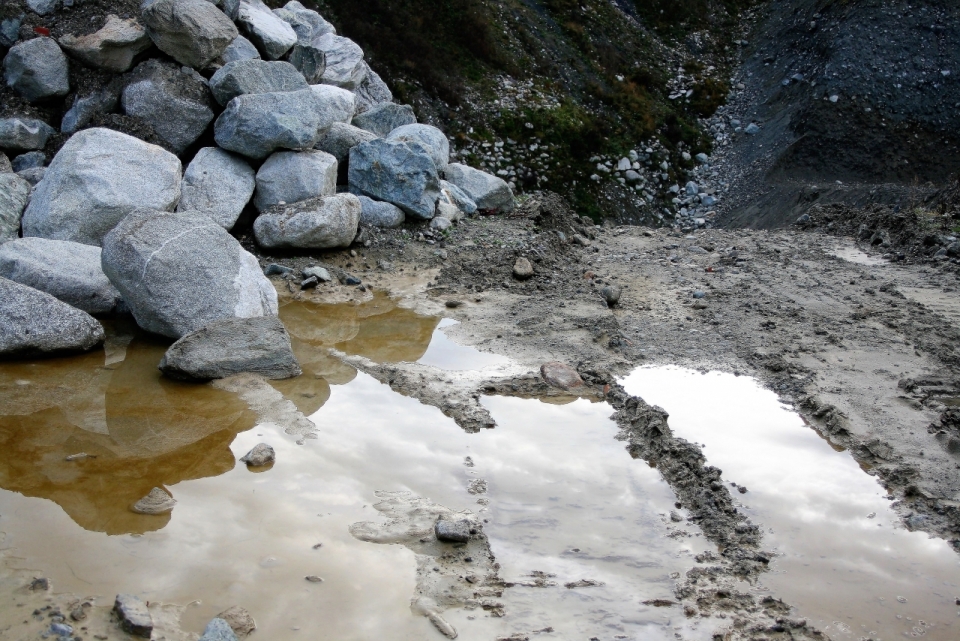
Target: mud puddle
[[581, 531], [844, 559], [853, 254]]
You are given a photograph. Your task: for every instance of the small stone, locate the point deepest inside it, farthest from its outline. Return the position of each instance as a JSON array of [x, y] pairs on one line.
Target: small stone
[[31, 160], [752, 129], [259, 456], [453, 304], [112, 48], [451, 531], [134, 617], [522, 269], [37, 69], [309, 283], [699, 294], [40, 584], [239, 620], [61, 629], [156, 502], [319, 273], [218, 630], [23, 134], [611, 294], [314, 578], [274, 269], [561, 376]]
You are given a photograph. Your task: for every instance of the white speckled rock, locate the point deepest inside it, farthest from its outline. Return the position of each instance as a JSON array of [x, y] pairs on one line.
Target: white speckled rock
[[272, 36], [291, 176], [342, 104], [14, 195], [192, 32], [487, 191], [218, 184], [255, 125], [345, 67], [401, 173], [431, 138], [320, 223]]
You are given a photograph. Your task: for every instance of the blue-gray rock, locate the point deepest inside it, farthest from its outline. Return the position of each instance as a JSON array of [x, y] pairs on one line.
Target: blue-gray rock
[[70, 272], [29, 160], [488, 192], [341, 104], [239, 49], [134, 616], [218, 630], [345, 67], [10, 31], [384, 118], [708, 201], [307, 24], [37, 70], [84, 108], [233, 346], [702, 158], [96, 179], [379, 214], [309, 60], [272, 36], [292, 176], [321, 223], [42, 7], [752, 129], [14, 195], [692, 188], [22, 134], [192, 32], [396, 172], [429, 137], [441, 223], [261, 454], [372, 92], [341, 138], [218, 184], [255, 76], [321, 274], [631, 176], [456, 196], [33, 175], [33, 323], [5, 163], [255, 125], [452, 530], [179, 272], [175, 103], [112, 48]]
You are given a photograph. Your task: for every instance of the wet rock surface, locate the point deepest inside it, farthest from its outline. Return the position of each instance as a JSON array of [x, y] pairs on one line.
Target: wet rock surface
[[37, 324], [259, 456], [134, 617]]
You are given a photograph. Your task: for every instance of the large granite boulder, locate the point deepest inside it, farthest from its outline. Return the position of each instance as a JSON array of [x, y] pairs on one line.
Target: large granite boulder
[[14, 195], [372, 92], [307, 23], [321, 223], [179, 272], [345, 67], [112, 48], [255, 125], [33, 323], [341, 138], [488, 192], [218, 184], [341, 104], [379, 214], [232, 346], [239, 49], [255, 76], [273, 36], [384, 118], [192, 32], [98, 177], [291, 176], [175, 102], [23, 134], [37, 69], [429, 137], [452, 194], [68, 271], [396, 172]]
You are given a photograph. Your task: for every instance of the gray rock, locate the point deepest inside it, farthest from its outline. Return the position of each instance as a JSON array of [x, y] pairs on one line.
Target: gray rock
[[611, 294], [174, 103], [154, 503], [95, 180], [218, 184], [42, 7], [341, 104], [452, 531], [33, 323], [632, 176], [262, 454], [702, 158], [29, 160], [179, 272], [37, 70], [272, 36], [112, 48], [345, 67], [561, 376], [309, 60], [429, 137], [292, 176], [341, 138], [396, 172], [233, 346], [134, 616], [68, 271], [218, 630], [522, 269], [5, 166], [14, 195], [456, 196], [308, 24], [33, 175], [752, 129], [321, 223], [441, 223], [192, 32], [692, 188], [488, 192], [380, 214], [448, 210], [239, 49], [239, 620], [384, 118], [255, 76], [23, 134], [321, 274], [10, 31], [255, 125], [85, 108], [372, 92]]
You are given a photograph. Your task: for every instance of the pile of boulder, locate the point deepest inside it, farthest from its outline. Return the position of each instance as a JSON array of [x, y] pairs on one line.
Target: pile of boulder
[[268, 112]]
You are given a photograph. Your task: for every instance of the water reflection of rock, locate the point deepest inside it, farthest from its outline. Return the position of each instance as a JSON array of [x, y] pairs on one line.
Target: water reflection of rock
[[139, 430]]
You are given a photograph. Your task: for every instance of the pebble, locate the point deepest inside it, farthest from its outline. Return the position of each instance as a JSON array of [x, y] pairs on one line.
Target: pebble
[[134, 617], [611, 294], [259, 456], [522, 269], [452, 531], [561, 375]]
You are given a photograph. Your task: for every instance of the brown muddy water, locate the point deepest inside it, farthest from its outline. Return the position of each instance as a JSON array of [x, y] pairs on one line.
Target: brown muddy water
[[844, 560], [563, 501]]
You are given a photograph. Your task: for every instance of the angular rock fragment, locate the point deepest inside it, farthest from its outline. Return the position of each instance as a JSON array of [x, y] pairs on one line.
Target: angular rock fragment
[[192, 32], [309, 60], [341, 104], [86, 107], [33, 323], [272, 36], [180, 272], [456, 196], [307, 23], [487, 191], [22, 134], [320, 223], [452, 530], [14, 195], [239, 49], [372, 92], [561, 376], [37, 70], [156, 502], [384, 118], [338, 142], [380, 214], [292, 176], [218, 630], [95, 180], [112, 48], [134, 616], [233, 346], [429, 137], [255, 125], [218, 184], [396, 172], [239, 620], [344, 66], [262, 454], [70, 272], [253, 77], [30, 160]]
